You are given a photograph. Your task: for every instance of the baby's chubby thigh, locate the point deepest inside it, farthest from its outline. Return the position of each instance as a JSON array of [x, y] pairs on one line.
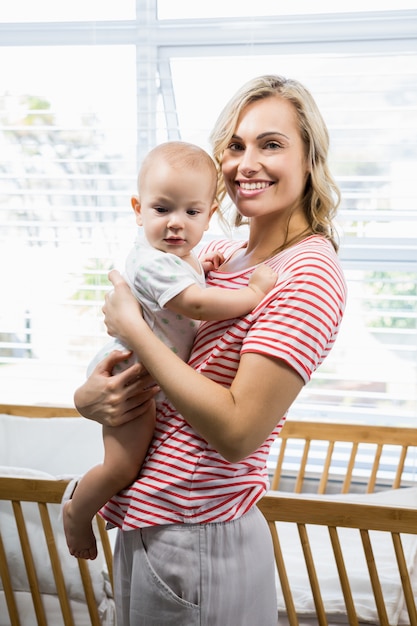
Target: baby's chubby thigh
[[109, 347]]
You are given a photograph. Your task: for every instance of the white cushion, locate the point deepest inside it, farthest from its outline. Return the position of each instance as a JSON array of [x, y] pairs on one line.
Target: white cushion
[[57, 445]]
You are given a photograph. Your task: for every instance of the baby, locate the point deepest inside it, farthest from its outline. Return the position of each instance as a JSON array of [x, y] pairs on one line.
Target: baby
[[177, 187]]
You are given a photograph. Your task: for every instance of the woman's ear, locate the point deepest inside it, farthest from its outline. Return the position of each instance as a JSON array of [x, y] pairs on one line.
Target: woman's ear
[[135, 202]]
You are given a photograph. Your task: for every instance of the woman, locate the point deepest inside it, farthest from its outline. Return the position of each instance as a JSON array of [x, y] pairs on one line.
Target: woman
[[194, 548]]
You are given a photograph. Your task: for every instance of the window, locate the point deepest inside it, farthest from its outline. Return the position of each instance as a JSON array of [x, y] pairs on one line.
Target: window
[[82, 101], [76, 10], [68, 163]]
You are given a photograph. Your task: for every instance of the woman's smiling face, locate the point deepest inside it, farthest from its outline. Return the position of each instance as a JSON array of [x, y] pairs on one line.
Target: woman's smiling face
[[264, 165]]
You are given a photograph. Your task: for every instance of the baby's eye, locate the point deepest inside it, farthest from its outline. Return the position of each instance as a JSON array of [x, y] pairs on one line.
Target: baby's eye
[[160, 209], [192, 212]]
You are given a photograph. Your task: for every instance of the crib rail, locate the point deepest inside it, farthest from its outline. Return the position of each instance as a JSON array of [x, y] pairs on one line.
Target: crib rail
[[38, 410]]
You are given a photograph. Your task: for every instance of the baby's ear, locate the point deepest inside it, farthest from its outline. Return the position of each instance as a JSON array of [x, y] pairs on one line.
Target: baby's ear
[[214, 208], [135, 202]]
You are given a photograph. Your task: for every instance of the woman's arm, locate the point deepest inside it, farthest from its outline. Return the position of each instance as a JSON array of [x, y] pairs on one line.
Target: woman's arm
[[235, 421], [113, 400]]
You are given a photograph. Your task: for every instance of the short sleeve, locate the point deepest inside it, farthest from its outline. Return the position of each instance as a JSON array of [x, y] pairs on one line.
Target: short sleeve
[[160, 276], [299, 321]]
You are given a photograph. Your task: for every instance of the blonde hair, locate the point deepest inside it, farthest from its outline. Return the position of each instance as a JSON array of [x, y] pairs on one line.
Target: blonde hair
[[321, 194], [180, 155]]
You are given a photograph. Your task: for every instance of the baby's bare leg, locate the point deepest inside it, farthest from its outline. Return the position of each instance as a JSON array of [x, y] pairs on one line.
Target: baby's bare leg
[[125, 449]]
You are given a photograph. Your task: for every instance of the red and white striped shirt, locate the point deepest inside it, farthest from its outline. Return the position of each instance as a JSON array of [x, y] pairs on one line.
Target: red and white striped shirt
[[183, 479]]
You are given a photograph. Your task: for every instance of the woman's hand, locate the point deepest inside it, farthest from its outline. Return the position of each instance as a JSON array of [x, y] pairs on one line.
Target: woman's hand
[[115, 400]]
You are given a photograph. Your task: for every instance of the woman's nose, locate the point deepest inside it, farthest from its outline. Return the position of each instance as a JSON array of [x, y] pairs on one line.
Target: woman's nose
[[249, 164]]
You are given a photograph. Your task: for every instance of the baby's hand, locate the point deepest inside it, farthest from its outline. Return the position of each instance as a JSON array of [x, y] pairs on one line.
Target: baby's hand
[[212, 261], [263, 278]]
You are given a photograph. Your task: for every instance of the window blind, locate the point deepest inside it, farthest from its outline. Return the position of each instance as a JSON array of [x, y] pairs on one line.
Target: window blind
[[72, 138]]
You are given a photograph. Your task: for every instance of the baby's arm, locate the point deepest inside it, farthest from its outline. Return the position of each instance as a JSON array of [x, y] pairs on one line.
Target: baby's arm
[[215, 303]]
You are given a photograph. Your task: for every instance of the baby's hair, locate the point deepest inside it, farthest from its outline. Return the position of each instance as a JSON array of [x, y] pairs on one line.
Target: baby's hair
[[180, 155]]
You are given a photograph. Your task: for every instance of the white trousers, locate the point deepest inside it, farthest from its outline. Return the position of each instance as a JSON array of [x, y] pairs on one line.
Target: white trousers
[[197, 575]]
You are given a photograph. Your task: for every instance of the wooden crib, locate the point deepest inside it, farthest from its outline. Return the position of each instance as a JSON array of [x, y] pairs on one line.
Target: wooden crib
[[330, 462], [40, 582], [329, 479]]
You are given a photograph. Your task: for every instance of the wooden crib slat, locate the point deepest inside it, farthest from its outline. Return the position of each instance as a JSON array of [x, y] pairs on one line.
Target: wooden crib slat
[[326, 468], [7, 586], [278, 468], [283, 577], [400, 467], [312, 575], [105, 542], [56, 565], [343, 577], [373, 575], [349, 470], [405, 578], [89, 592], [374, 470], [29, 564], [301, 471]]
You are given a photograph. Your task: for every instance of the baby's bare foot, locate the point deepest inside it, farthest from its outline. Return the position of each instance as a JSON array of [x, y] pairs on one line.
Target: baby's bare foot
[[80, 538]]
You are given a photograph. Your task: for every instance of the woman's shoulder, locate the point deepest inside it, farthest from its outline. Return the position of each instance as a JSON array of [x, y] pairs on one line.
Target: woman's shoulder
[[313, 260], [225, 246], [313, 249]]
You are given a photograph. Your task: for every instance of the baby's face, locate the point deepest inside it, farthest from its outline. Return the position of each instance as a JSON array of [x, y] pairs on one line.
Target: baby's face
[[175, 207]]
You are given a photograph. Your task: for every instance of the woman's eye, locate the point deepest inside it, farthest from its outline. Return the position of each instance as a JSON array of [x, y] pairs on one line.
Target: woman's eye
[[235, 146], [273, 145]]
